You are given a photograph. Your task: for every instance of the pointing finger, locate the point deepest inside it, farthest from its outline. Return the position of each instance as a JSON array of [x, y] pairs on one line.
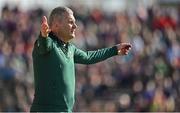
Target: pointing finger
[[127, 47]]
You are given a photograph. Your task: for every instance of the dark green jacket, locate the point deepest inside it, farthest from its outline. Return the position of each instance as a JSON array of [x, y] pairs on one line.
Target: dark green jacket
[[54, 73]]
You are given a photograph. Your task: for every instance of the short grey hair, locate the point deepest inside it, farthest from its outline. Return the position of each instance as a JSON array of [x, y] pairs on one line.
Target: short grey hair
[[58, 13]]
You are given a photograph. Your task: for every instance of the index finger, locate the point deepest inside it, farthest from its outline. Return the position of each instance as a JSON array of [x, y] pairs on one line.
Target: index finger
[[128, 46]]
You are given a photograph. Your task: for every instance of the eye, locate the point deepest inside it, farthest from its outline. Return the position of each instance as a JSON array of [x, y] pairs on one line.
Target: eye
[[72, 22]]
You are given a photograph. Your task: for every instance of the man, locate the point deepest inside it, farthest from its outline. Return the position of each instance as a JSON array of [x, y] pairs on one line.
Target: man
[[54, 58]]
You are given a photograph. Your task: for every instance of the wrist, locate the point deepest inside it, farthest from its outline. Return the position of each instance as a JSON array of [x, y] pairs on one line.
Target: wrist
[[43, 35], [118, 50]]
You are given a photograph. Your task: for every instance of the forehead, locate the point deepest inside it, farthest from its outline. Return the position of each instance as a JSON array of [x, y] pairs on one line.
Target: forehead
[[69, 16]]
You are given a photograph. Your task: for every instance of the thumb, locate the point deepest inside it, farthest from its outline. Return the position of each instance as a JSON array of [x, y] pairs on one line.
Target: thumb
[[44, 20]]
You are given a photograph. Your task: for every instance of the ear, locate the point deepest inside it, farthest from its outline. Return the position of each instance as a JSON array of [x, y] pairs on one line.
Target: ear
[[57, 24]]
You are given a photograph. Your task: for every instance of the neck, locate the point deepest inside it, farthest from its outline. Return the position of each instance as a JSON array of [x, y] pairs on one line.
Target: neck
[[63, 39], [60, 37]]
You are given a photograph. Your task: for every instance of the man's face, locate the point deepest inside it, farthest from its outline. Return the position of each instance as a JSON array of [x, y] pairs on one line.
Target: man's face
[[67, 27]]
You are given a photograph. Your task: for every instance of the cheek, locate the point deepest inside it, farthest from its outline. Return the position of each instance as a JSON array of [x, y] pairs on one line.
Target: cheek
[[64, 29], [67, 28]]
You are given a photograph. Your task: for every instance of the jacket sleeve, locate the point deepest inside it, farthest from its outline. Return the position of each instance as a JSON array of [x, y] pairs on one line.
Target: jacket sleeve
[[43, 45], [91, 57]]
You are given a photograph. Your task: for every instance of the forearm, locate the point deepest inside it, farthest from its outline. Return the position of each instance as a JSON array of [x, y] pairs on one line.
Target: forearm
[[92, 57]]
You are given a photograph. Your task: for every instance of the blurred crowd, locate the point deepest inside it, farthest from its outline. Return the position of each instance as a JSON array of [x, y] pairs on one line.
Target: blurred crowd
[[145, 80]]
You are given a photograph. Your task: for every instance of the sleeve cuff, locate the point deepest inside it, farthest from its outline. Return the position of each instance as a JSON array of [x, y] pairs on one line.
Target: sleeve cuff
[[115, 50]]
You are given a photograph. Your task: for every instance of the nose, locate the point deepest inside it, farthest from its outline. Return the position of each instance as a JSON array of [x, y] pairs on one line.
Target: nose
[[74, 25]]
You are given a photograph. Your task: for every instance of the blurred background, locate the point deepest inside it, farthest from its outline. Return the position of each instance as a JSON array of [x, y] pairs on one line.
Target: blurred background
[[148, 79]]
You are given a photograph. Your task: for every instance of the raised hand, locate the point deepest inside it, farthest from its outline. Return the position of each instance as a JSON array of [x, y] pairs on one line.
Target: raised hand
[[124, 48], [45, 27]]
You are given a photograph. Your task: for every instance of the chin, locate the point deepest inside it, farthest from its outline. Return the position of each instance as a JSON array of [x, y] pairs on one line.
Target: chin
[[72, 36]]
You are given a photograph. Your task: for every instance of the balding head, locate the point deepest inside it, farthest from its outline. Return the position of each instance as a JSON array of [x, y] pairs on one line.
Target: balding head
[[58, 14]]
